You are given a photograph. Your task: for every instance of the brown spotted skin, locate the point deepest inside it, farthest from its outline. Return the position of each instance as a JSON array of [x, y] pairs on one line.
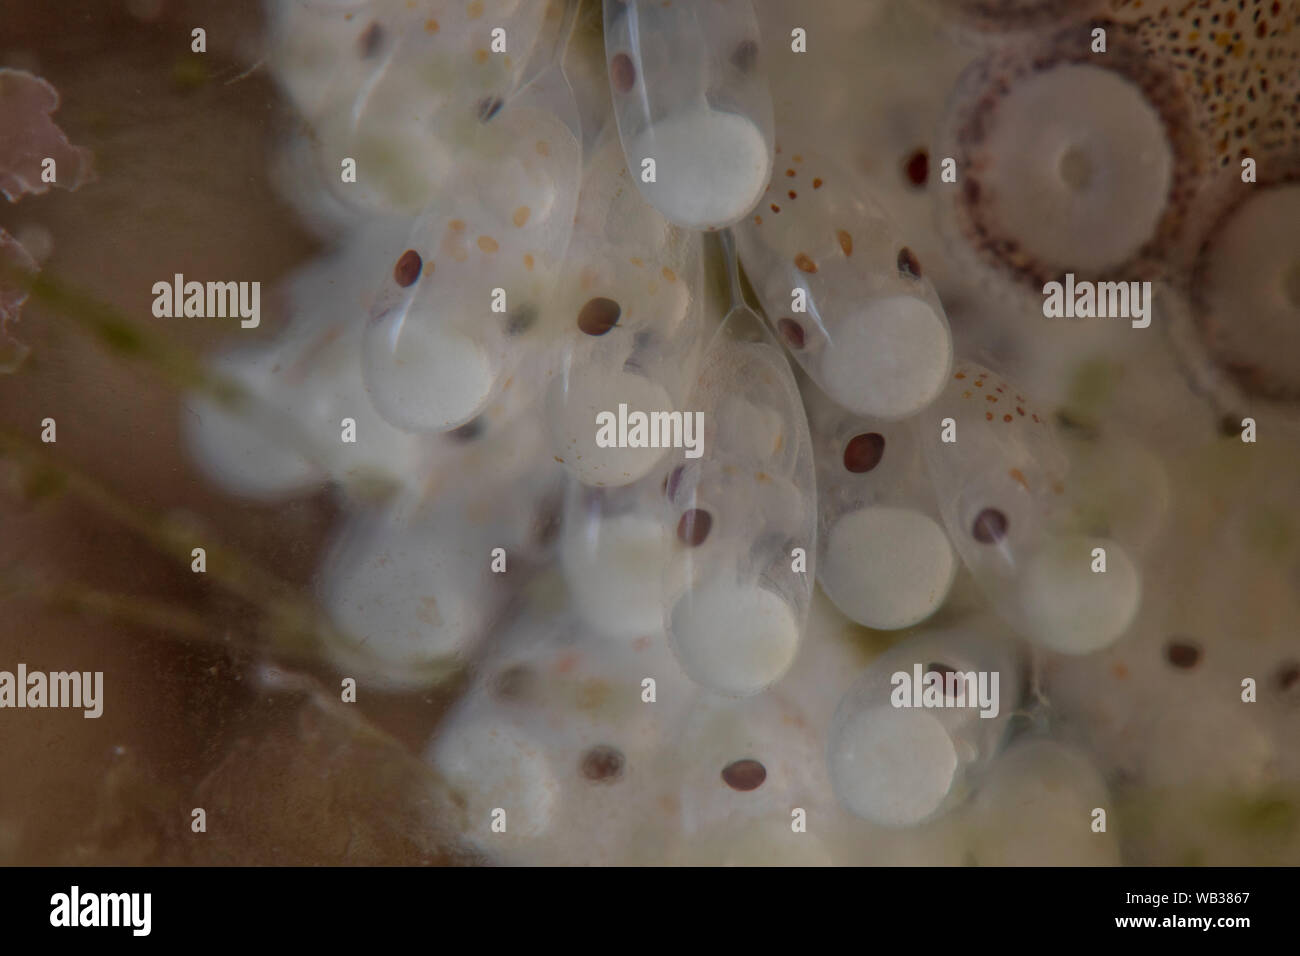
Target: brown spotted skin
[[1223, 75], [989, 391], [975, 215]]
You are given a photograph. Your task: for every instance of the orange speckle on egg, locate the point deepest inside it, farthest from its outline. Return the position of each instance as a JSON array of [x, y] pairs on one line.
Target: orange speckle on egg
[[804, 264], [528, 261], [637, 261], [431, 25], [817, 184], [846, 241], [487, 244], [1020, 410], [1019, 478], [960, 375], [456, 225], [979, 383], [758, 220], [521, 216], [543, 148], [668, 274], [988, 416], [966, 394], [480, 56], [775, 208], [789, 172], [1119, 670], [1006, 418]]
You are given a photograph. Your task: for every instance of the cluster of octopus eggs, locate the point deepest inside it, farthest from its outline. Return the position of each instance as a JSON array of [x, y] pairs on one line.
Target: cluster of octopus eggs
[[988, 528]]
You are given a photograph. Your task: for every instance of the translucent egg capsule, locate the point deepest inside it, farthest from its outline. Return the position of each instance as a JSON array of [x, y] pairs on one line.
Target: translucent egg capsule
[[731, 780], [400, 88], [1154, 706], [927, 714], [307, 386], [409, 600], [844, 294], [740, 580], [321, 53], [693, 107], [573, 724], [507, 780], [628, 340], [1035, 808], [416, 586], [883, 554], [1001, 482], [458, 308], [614, 545], [625, 326], [238, 450]]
